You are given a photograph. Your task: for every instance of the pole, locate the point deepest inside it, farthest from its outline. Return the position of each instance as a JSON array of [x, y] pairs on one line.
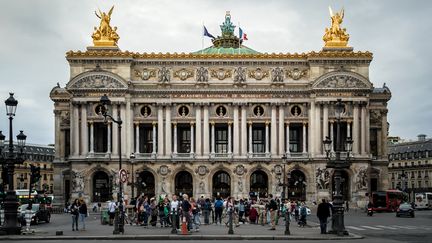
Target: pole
[[119, 224], [230, 213], [133, 181]]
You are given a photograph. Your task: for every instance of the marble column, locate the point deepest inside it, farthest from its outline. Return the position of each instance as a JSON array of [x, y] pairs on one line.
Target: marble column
[[236, 131], [332, 138], [137, 137], [273, 128], [58, 141], [212, 138], [109, 128], [114, 131], [288, 139], [124, 131], [305, 148], [281, 130], [250, 138], [92, 136], [192, 145], [311, 128], [198, 140], [84, 130], [368, 151], [318, 134], [355, 130], [206, 142], [363, 130], [325, 122], [229, 138], [155, 143], [384, 128], [75, 130], [267, 138], [348, 132], [160, 142], [175, 137], [168, 131], [243, 130], [128, 127]]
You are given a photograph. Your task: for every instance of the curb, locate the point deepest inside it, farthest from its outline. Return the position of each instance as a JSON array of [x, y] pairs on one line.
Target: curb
[[184, 237]]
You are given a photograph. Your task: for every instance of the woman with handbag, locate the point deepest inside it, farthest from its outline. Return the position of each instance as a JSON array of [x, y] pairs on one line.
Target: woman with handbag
[[82, 210], [74, 212]]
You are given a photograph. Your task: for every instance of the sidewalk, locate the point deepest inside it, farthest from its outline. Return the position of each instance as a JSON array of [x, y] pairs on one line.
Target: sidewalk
[[94, 230]]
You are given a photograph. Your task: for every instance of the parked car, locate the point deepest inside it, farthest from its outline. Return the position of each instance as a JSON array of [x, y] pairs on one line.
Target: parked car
[[39, 213], [405, 209]]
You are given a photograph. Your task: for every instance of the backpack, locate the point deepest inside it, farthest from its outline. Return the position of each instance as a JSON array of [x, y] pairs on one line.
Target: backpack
[[218, 204], [303, 211], [207, 206]]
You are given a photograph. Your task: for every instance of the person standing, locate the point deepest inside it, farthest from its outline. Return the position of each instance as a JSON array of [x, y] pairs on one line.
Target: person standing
[[82, 213], [323, 213], [218, 210], [74, 212], [111, 211], [206, 210], [195, 214], [186, 209], [174, 210], [272, 207], [347, 206]]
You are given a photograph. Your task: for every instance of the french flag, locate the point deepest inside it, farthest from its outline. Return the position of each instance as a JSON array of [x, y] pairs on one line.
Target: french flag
[[242, 35]]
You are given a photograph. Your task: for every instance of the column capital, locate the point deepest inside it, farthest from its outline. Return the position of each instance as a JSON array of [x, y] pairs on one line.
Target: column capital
[[305, 123], [136, 123], [267, 123], [331, 121], [192, 123], [250, 123], [154, 123], [349, 121], [174, 123], [212, 123], [230, 123], [90, 122], [287, 123]]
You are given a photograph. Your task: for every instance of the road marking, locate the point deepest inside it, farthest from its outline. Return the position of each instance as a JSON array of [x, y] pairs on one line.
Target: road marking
[[404, 227], [370, 227], [354, 228], [386, 227]]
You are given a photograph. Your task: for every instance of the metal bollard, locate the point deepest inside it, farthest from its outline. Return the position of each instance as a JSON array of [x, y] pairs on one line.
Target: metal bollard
[[2, 215], [174, 222], [28, 216]]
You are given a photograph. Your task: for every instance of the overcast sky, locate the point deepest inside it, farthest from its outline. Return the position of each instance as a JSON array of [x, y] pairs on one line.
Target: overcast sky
[[36, 34]]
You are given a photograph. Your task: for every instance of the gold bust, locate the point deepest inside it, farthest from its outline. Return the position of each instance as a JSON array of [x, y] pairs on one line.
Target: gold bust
[[335, 36], [105, 35]]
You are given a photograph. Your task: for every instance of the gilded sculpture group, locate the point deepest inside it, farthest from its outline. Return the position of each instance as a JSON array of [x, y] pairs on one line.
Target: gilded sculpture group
[[105, 35]]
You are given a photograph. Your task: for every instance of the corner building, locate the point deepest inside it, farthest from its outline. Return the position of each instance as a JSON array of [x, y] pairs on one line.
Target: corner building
[[218, 122]]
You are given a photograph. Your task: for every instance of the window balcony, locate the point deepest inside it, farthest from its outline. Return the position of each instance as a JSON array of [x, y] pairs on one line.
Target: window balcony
[[145, 156], [221, 155], [183, 156]]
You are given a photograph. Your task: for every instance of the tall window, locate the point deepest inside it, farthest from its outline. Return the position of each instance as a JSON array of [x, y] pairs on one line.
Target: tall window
[[296, 138], [221, 142], [100, 137], [146, 139], [258, 139], [343, 135], [184, 139]]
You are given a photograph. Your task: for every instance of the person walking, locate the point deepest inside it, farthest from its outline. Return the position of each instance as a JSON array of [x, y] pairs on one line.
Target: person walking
[[82, 210], [111, 211], [303, 213], [241, 209], [347, 206], [272, 207], [206, 210], [218, 210], [74, 212], [323, 213]]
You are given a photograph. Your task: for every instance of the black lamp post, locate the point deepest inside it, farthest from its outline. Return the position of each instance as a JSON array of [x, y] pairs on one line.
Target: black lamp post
[[119, 217], [11, 225], [338, 165], [132, 161], [285, 197]]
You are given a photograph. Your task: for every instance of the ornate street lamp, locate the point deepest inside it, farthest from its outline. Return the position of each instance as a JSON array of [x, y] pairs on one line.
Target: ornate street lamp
[[11, 225], [285, 197], [119, 217], [338, 165]]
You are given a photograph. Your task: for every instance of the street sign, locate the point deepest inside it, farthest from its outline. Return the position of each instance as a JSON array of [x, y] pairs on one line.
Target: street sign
[[123, 176]]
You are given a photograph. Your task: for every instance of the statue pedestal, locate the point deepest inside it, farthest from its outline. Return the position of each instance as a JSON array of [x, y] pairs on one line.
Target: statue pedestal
[[103, 48], [337, 48]]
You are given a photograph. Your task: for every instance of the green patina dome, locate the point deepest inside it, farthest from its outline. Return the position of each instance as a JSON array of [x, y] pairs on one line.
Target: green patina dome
[[226, 50]]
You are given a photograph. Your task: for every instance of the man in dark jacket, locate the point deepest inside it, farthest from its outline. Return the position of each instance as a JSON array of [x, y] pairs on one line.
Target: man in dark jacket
[[323, 213]]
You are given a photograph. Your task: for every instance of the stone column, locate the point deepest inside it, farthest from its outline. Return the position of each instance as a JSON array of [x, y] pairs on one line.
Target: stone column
[[332, 138], [267, 138], [206, 142], [128, 127], [160, 147], [229, 138], [363, 131], [109, 129], [288, 139], [348, 128], [75, 130], [212, 138], [281, 130], [325, 122], [192, 146], [368, 151], [155, 143], [274, 140], [250, 139], [305, 149], [125, 128], [58, 142], [168, 137], [384, 129], [198, 140], [311, 126], [243, 131], [84, 130], [355, 129], [236, 131], [114, 131], [92, 136], [137, 137], [318, 140], [175, 137]]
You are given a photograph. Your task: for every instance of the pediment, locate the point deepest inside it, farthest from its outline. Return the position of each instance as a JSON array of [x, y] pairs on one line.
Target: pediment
[[342, 80], [97, 80]]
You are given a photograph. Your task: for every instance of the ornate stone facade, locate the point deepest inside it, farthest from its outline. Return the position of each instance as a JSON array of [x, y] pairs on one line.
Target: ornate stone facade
[[226, 137]]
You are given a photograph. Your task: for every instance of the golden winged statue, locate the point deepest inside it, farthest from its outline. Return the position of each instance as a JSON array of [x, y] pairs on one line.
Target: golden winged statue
[[105, 35], [335, 36]]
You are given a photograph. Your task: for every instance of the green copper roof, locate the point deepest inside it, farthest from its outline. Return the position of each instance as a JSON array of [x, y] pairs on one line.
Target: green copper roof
[[226, 50]]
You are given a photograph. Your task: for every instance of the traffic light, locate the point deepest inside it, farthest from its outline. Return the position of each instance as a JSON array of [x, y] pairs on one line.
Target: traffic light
[[35, 174]]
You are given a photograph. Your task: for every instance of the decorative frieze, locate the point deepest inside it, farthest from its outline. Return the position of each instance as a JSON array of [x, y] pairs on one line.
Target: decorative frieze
[[221, 73], [183, 74], [296, 73], [258, 74], [145, 74]]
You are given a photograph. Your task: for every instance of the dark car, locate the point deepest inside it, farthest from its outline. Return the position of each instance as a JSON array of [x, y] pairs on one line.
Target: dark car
[[39, 213], [405, 209]]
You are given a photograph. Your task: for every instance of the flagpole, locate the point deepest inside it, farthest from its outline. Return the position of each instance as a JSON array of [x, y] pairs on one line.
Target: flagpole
[[202, 39]]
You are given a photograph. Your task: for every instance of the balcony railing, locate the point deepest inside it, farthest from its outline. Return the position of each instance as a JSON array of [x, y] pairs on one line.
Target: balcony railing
[[183, 155]]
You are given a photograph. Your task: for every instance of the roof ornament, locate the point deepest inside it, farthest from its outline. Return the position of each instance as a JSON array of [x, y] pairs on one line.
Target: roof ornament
[[105, 35], [227, 27], [335, 36]]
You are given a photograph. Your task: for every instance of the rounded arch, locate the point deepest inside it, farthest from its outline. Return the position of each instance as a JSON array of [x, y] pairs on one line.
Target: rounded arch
[[183, 183], [101, 186], [146, 183], [97, 79], [259, 183], [213, 172], [221, 184], [342, 79], [297, 185]]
